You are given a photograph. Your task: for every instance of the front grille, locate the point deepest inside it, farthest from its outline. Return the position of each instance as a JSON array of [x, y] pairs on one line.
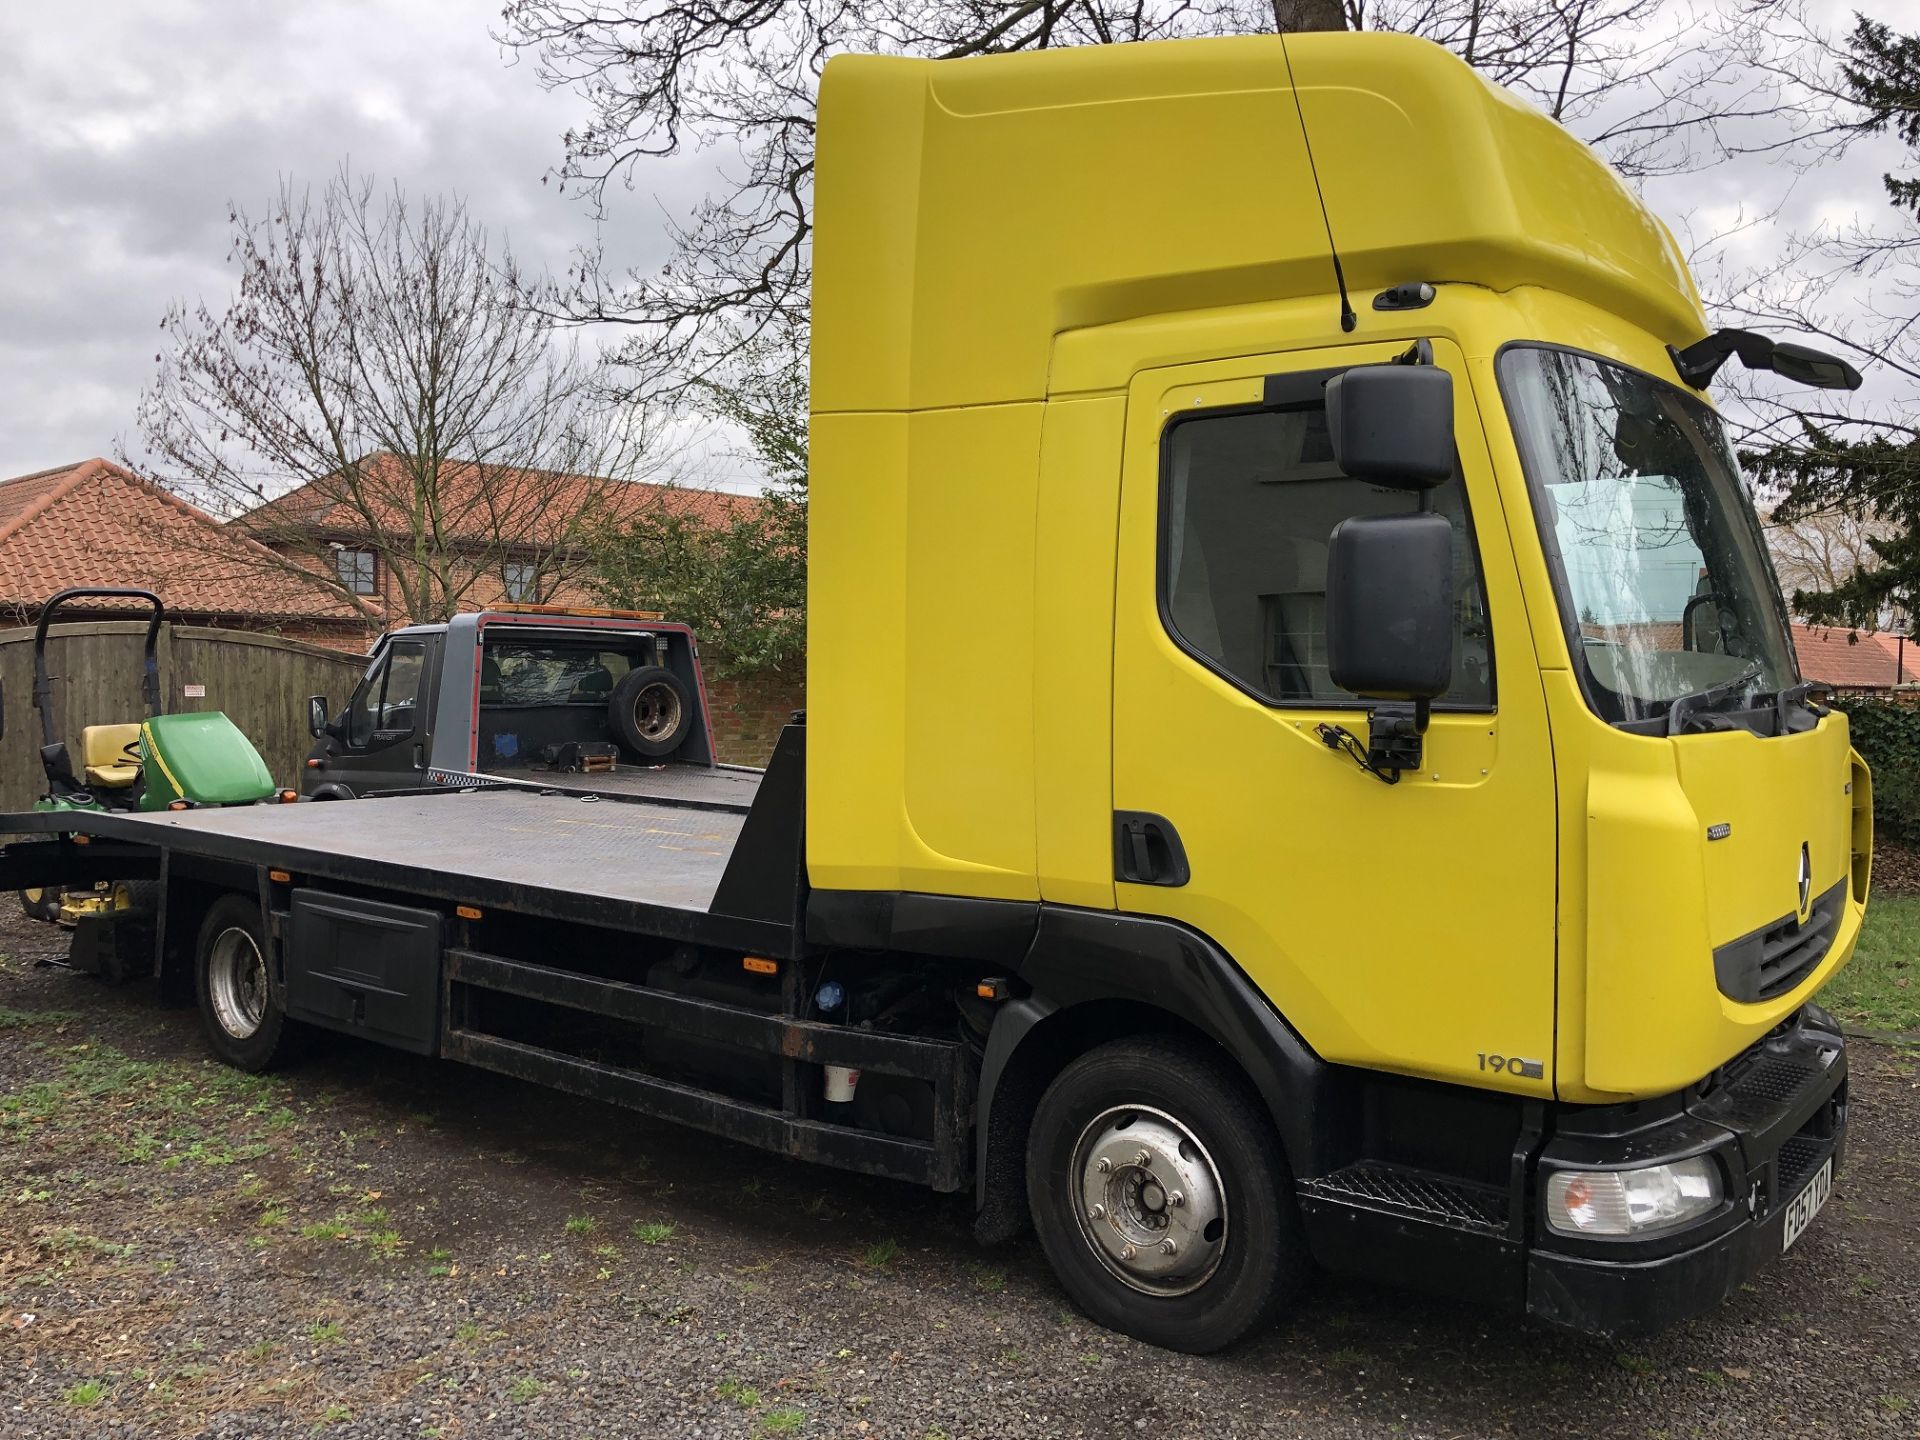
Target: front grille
[[1773, 959], [1412, 1192]]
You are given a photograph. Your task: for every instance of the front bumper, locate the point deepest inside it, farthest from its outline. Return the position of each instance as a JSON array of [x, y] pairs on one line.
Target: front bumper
[[1773, 1118]]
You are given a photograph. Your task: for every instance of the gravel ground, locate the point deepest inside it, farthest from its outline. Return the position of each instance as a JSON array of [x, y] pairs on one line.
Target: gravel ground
[[378, 1245]]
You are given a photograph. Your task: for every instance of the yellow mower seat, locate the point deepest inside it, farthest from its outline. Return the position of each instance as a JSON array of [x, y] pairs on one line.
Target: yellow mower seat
[[111, 756]]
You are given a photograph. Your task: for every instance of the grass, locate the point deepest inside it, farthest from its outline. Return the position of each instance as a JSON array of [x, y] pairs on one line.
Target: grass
[[742, 1395], [652, 1232], [87, 1392], [785, 1418], [22, 1019], [1880, 986], [526, 1388], [881, 1254], [325, 1332], [581, 1224]]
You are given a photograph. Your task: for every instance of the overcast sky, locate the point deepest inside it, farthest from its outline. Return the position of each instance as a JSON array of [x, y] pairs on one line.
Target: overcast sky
[[126, 126]]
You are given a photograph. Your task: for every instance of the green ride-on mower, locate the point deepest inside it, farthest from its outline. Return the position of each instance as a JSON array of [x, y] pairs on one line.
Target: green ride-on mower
[[163, 762]]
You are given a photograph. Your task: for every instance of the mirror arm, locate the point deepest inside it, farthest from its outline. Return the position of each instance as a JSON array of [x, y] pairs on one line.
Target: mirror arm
[[1393, 745]]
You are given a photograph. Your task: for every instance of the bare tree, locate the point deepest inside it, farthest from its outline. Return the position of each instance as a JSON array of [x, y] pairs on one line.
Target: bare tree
[[1648, 83], [1856, 285], [379, 384], [1820, 552]]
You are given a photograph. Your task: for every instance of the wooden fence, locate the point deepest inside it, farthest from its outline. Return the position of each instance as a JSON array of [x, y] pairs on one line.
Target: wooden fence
[[261, 681]]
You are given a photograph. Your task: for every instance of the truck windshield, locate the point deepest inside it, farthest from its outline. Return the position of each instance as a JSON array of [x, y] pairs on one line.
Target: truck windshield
[[1662, 573]]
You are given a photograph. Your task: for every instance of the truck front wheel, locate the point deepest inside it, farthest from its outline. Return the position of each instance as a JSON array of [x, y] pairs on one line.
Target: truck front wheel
[[1161, 1195], [245, 1024]]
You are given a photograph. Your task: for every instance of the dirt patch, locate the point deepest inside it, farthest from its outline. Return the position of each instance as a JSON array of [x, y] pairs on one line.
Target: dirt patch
[[379, 1245]]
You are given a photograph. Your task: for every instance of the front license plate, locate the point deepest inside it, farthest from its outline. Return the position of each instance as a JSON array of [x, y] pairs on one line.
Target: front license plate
[[1806, 1205]]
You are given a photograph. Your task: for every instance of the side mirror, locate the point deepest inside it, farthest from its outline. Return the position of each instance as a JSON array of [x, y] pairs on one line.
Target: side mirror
[[1390, 606], [316, 715], [1814, 368], [1701, 361], [1393, 424]]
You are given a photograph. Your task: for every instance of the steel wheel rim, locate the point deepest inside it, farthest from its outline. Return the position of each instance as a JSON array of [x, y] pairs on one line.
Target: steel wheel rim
[[656, 711], [237, 983], [1158, 1224]]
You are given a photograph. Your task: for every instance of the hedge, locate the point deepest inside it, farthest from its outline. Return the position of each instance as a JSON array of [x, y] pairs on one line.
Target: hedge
[[1887, 735]]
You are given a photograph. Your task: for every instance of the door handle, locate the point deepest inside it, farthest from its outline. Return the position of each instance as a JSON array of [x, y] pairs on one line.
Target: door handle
[[419, 756], [1147, 850]]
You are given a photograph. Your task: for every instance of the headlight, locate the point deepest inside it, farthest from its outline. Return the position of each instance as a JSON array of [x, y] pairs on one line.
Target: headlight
[[1632, 1202]]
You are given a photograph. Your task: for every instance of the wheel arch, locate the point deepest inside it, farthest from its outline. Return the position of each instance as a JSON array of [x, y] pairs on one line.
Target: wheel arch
[[1097, 977]]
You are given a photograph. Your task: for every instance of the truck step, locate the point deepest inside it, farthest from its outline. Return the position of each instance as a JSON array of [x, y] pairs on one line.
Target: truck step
[[1414, 1194]]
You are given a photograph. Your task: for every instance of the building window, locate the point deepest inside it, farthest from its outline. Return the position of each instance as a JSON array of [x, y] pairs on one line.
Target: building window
[[522, 581], [355, 568]]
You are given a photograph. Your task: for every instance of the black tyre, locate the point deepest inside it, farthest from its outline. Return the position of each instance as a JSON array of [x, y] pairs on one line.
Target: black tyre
[[40, 904], [1161, 1195], [244, 1022], [651, 711]]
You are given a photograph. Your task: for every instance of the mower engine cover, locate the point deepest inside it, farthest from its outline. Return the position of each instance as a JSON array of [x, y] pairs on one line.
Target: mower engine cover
[[201, 758]]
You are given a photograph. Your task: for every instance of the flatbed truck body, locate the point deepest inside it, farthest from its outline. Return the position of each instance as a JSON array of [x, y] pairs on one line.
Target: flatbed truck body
[[1304, 761]]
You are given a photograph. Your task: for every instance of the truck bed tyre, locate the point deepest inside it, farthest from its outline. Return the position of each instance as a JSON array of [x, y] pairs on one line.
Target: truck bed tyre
[[244, 1022], [651, 711], [1153, 1141]]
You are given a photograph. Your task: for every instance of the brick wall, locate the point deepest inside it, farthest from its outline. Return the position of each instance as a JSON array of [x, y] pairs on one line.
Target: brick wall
[[748, 715]]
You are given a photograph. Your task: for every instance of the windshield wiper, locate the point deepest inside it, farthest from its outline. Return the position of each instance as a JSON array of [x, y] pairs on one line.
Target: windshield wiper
[[1685, 707]]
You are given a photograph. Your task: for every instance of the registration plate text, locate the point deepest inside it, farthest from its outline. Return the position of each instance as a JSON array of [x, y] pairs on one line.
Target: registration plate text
[[1804, 1206]]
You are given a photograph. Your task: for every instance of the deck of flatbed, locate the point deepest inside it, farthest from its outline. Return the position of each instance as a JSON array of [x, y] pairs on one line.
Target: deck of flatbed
[[641, 865]]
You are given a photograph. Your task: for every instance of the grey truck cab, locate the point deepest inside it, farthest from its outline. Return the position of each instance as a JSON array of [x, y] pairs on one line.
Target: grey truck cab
[[601, 701]]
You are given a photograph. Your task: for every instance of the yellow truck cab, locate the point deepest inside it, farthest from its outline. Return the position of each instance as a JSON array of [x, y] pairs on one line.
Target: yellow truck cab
[[1128, 576], [1304, 760]]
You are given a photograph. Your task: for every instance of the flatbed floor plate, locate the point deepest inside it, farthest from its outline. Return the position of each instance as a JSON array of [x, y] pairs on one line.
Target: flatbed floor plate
[[666, 856]]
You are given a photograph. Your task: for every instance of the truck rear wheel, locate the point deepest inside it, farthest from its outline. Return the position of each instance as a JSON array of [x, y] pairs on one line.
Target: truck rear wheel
[[1161, 1195], [244, 1022], [650, 711]]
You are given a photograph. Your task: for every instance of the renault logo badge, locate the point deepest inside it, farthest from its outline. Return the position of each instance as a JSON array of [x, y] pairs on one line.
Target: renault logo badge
[[1806, 879]]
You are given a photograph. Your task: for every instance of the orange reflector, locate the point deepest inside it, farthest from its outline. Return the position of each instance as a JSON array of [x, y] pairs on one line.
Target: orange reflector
[[467, 912], [994, 988], [760, 966], [287, 797], [176, 805], [316, 764], [81, 839], [279, 877]]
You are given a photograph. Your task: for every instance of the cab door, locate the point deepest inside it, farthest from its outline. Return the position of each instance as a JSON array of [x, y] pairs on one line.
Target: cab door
[[380, 741], [1405, 927]]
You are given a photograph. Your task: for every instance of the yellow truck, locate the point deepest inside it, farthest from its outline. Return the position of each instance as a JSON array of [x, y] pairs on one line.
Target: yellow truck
[[1304, 763]]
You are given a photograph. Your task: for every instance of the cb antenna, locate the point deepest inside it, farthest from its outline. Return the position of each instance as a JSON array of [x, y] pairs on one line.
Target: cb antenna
[[1347, 318]]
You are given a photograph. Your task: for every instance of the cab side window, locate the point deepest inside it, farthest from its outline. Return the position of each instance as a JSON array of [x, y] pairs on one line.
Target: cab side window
[[1250, 498], [384, 706]]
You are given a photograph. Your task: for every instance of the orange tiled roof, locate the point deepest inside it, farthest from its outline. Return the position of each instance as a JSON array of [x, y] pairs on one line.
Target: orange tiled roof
[[95, 523], [470, 494], [1839, 656]]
